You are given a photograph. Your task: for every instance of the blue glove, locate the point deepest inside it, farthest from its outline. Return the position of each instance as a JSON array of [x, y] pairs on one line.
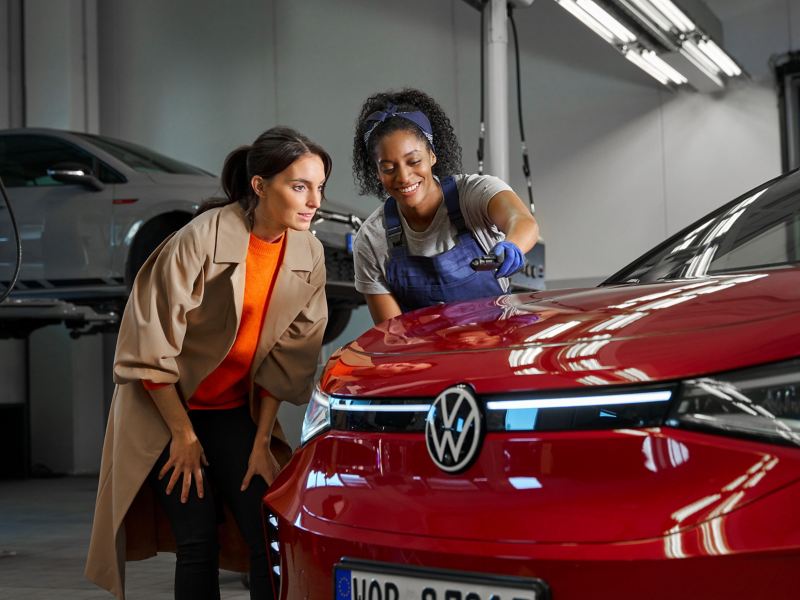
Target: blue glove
[[510, 257]]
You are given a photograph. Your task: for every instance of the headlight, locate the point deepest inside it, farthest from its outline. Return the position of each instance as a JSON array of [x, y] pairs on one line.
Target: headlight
[[318, 416], [759, 402]]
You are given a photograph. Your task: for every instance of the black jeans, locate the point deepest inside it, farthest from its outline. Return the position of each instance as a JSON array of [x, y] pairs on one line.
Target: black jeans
[[227, 438]]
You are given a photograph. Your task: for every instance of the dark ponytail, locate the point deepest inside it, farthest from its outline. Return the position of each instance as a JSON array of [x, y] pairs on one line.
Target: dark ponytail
[[235, 182], [272, 152]]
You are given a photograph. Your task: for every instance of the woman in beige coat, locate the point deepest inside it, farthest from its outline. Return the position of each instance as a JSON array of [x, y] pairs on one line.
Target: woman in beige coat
[[224, 322]]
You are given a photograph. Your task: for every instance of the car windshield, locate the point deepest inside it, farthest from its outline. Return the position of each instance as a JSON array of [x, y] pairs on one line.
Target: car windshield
[[758, 230], [141, 159]]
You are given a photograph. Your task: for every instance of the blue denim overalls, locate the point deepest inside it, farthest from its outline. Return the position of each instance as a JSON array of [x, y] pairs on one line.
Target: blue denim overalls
[[419, 281]]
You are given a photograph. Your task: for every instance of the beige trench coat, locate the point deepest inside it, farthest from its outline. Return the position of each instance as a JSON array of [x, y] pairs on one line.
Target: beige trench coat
[[180, 322]]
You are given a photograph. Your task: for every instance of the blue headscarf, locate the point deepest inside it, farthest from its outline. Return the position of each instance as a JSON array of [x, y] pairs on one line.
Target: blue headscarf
[[416, 117]]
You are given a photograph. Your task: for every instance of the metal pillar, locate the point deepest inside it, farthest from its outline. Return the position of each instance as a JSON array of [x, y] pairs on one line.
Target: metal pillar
[[12, 96], [497, 89]]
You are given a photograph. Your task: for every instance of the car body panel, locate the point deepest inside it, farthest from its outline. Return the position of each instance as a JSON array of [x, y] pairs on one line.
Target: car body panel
[[596, 504], [577, 339], [753, 546], [388, 483], [572, 571], [565, 316]]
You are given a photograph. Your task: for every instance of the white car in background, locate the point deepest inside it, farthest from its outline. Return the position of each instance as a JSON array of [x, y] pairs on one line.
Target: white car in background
[[90, 209]]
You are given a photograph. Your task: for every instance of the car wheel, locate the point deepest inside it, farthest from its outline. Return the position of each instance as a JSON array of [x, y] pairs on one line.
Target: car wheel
[[148, 239], [338, 318]]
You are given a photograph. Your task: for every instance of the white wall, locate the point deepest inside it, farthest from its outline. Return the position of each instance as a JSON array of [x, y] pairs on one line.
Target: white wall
[[618, 161], [332, 55], [60, 40], [191, 79]]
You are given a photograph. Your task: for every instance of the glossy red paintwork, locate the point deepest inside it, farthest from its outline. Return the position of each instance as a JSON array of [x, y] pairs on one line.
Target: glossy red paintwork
[[388, 483], [578, 338], [596, 572], [655, 513], [717, 514]]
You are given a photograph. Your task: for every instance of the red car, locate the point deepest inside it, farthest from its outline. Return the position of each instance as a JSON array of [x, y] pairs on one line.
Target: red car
[[636, 440]]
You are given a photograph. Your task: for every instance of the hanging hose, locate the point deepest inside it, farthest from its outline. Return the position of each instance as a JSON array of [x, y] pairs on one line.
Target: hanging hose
[[526, 169], [18, 265], [482, 133]]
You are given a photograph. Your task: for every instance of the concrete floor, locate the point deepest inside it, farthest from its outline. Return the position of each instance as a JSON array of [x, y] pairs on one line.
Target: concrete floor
[[44, 533]]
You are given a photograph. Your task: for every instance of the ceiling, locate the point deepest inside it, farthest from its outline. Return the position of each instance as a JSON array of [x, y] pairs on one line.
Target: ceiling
[[725, 9]]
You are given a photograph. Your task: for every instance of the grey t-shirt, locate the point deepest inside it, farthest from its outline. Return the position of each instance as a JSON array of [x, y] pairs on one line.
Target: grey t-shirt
[[371, 249]]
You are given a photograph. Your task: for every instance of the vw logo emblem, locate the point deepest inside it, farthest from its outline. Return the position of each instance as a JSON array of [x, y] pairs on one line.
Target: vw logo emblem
[[453, 429]]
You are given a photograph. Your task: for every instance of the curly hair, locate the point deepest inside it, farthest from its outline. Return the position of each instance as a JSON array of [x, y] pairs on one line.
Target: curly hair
[[446, 146]]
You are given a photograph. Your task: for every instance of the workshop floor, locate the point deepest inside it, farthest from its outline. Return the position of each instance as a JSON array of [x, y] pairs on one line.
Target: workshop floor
[[44, 533]]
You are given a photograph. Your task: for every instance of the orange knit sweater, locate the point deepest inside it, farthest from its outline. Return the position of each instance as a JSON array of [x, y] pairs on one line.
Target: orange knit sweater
[[226, 386]]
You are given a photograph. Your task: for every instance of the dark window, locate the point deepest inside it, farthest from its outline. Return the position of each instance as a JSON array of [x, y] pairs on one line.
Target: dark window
[[141, 159], [25, 159], [760, 229], [786, 68]]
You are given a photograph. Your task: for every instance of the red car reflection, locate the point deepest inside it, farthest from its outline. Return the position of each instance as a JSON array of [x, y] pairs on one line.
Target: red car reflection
[[636, 440]]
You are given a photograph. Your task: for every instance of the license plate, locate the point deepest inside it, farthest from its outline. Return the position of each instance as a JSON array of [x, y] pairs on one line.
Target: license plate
[[364, 580]]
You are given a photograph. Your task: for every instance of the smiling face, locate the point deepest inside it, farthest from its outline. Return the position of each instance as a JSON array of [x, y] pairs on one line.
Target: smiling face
[[404, 162], [289, 199]]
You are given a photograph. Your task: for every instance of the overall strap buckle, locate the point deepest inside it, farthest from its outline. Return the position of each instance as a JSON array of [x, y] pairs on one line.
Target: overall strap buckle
[[391, 217]]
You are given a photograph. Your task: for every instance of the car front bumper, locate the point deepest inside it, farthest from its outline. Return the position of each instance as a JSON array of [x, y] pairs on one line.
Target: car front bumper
[[356, 497], [311, 549]]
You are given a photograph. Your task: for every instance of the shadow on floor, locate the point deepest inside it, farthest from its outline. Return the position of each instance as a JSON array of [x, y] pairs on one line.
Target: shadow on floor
[[44, 533]]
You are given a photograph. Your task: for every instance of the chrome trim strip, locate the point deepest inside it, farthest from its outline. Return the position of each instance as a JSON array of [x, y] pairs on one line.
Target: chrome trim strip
[[579, 401]]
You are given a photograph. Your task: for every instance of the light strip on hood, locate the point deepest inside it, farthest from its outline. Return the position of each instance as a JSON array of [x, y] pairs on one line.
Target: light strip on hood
[[579, 401]]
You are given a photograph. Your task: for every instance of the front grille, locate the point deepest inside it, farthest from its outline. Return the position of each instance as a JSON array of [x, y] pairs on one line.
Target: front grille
[[611, 408], [385, 416]]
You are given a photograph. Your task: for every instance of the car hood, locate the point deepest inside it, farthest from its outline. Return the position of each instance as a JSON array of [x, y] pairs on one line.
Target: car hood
[[579, 337]]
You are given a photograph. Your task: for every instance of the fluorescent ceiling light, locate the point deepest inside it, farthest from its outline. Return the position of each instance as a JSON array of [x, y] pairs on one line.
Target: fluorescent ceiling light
[[637, 59], [653, 14], [693, 54], [579, 401], [613, 25], [675, 15], [587, 19], [719, 57], [658, 63], [663, 19]]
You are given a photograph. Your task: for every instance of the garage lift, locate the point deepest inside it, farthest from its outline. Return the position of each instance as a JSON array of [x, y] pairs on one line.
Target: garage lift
[[20, 316]]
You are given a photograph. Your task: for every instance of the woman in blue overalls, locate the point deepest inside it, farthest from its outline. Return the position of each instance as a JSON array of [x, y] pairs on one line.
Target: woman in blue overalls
[[416, 249]]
